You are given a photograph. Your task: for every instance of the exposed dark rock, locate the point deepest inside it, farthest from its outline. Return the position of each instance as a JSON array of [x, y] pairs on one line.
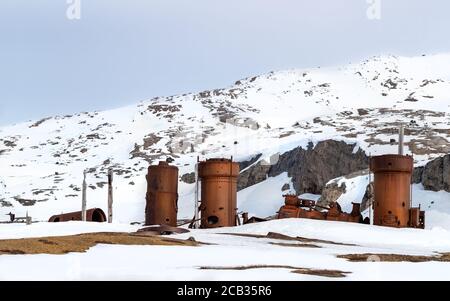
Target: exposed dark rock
[[253, 175], [367, 198], [244, 164], [188, 178], [362, 112], [311, 168], [38, 123], [390, 84], [331, 193], [417, 175], [150, 140], [436, 174], [286, 187], [8, 143], [4, 203], [28, 202]]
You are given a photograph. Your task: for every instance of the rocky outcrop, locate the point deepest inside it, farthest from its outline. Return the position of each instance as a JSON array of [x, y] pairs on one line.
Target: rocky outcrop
[[368, 197], [253, 175], [244, 164], [436, 174], [417, 175], [311, 168], [331, 194], [188, 178]]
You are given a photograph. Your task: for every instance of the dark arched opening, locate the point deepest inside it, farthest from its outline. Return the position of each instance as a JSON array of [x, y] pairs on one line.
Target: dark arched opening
[[98, 216]]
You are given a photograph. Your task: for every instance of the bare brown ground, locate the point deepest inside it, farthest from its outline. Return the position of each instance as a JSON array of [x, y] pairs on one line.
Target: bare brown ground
[[294, 245], [444, 257], [296, 270], [273, 235], [82, 242]]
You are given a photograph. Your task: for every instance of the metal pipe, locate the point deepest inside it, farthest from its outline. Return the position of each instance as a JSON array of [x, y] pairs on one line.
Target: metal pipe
[[401, 136], [92, 215]]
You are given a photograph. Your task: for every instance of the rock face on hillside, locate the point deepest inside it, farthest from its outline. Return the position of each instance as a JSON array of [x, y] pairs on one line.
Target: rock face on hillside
[[331, 194], [310, 168], [435, 175]]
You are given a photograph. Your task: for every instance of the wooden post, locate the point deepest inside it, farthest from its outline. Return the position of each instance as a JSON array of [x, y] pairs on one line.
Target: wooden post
[[371, 192], [110, 195], [84, 199], [196, 201], [28, 219]]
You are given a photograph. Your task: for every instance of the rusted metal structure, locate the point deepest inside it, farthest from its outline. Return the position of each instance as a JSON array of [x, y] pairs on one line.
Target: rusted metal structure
[[335, 214], [297, 208], [392, 190], [218, 192], [162, 195], [92, 215]]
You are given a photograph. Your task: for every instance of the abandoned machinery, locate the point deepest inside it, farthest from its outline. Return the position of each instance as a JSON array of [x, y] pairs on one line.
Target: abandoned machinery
[[298, 208], [162, 195], [217, 202], [92, 215], [218, 193], [392, 193]]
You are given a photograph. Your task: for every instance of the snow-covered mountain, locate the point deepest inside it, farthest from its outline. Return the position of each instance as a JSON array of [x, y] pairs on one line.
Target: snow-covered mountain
[[42, 162]]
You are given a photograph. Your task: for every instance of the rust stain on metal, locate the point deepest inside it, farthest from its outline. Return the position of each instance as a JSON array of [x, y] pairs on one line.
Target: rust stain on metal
[[392, 188], [162, 195], [218, 192], [297, 208], [92, 215]]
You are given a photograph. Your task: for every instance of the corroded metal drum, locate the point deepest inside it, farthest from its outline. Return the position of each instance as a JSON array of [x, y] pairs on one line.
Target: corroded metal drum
[[92, 215], [392, 188], [162, 195], [218, 192]]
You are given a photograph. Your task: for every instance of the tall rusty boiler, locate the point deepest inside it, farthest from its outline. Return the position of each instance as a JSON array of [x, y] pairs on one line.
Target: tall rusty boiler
[[162, 195], [392, 188], [218, 192]]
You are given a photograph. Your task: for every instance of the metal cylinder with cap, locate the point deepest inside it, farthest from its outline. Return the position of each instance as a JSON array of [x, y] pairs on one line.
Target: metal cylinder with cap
[[218, 192], [392, 189], [162, 195]]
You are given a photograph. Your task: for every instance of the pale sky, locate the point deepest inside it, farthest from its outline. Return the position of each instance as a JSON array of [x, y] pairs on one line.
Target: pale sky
[[124, 51]]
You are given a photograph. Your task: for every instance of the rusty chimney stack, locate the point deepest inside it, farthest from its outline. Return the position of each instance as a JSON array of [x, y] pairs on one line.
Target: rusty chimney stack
[[218, 192], [162, 195], [392, 188]]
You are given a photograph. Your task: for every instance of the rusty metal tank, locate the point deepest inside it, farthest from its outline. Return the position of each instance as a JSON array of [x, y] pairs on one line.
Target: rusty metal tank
[[218, 192], [92, 215], [392, 189], [162, 195]]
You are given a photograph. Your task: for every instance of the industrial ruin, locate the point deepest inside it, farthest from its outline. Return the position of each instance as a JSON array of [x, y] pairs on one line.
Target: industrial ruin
[[392, 190], [218, 193], [162, 195], [92, 215], [215, 202]]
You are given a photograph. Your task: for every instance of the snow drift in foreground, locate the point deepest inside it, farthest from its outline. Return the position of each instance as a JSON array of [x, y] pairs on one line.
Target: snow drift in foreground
[[113, 262]]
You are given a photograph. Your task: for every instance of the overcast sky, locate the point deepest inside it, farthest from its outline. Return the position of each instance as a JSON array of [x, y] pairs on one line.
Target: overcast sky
[[124, 51]]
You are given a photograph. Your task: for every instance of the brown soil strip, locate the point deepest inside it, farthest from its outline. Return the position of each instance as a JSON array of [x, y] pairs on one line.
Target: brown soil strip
[[273, 235], [82, 242], [444, 257], [305, 271], [294, 245]]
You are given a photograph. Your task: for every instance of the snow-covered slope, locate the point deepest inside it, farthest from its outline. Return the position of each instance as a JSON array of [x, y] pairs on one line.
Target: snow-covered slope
[[42, 162]]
